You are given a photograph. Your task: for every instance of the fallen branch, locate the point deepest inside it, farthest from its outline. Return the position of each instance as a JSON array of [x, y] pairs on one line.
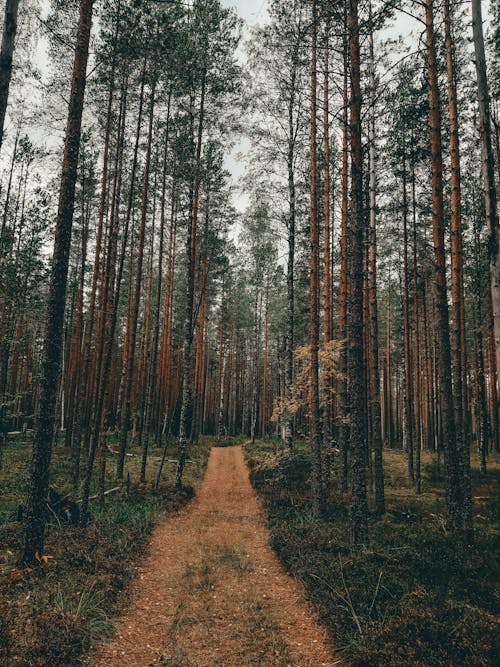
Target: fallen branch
[[116, 453], [106, 493]]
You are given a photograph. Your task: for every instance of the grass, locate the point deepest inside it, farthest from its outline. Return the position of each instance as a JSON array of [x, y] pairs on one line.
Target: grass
[[419, 597], [56, 613]]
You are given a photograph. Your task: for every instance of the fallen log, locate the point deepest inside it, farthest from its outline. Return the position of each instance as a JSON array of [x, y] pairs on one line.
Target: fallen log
[[106, 493]]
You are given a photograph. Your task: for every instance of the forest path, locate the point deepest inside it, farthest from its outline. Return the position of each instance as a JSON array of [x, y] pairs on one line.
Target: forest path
[[212, 591]]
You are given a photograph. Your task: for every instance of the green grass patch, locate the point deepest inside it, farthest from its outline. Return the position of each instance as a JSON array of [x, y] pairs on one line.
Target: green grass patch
[[229, 441], [56, 613], [419, 597]]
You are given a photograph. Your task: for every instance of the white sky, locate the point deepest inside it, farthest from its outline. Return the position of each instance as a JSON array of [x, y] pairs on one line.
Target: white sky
[[253, 11]]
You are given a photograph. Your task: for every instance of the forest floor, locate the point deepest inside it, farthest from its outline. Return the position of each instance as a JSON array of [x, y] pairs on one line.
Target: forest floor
[[52, 615], [419, 597], [203, 588], [212, 592]]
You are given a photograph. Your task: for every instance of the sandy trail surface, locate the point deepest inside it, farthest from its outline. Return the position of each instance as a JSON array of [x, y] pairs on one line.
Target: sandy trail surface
[[211, 590]]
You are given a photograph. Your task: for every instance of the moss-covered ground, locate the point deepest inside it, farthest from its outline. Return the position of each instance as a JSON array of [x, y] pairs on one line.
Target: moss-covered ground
[[419, 597]]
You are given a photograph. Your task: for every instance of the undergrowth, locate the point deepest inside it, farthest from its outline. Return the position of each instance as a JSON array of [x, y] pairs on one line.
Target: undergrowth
[[53, 615], [419, 597]]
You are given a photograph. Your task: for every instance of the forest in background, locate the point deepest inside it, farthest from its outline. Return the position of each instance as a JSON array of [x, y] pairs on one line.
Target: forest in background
[[354, 304]]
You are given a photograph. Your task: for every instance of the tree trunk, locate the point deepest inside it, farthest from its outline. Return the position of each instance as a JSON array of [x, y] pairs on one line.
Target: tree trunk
[[42, 445], [442, 332], [316, 426], [490, 195], [344, 277], [458, 351], [137, 297], [417, 392], [358, 505], [290, 333], [408, 426], [376, 428], [186, 404]]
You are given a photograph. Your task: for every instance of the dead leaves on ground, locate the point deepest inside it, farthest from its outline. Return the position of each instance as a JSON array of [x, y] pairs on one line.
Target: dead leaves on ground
[[41, 561]]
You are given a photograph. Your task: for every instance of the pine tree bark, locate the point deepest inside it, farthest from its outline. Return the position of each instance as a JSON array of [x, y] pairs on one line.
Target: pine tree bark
[[488, 166], [153, 389], [358, 504], [344, 276], [458, 350], [376, 419], [187, 379], [316, 426], [111, 301], [442, 332], [408, 425], [42, 445], [417, 392], [327, 275], [290, 285], [137, 296], [482, 421]]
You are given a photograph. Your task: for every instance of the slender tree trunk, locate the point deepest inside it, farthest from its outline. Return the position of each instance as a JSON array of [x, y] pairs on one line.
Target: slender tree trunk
[[153, 389], [327, 305], [327, 276], [442, 333], [482, 422], [388, 362], [344, 276], [490, 195], [187, 380], [408, 428], [42, 445], [290, 332], [358, 505], [137, 297], [417, 393], [316, 426], [458, 351], [376, 428], [143, 394], [111, 300]]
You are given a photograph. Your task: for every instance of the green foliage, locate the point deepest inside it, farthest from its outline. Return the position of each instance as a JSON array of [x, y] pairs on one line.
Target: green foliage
[[58, 611], [87, 606], [418, 597]]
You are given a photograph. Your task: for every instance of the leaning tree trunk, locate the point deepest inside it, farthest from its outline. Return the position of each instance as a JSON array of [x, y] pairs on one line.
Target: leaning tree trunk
[[8, 39], [42, 445]]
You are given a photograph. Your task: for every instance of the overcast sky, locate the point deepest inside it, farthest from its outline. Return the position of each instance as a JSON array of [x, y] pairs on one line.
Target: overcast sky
[[252, 11]]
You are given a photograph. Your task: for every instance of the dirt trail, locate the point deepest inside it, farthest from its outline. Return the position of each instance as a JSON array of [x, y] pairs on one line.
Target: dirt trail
[[212, 592]]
